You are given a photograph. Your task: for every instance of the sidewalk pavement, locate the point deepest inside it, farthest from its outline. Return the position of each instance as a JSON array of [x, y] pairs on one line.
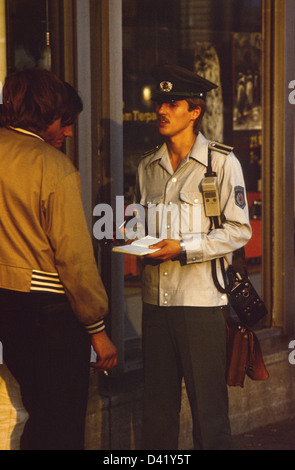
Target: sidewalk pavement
[[277, 436]]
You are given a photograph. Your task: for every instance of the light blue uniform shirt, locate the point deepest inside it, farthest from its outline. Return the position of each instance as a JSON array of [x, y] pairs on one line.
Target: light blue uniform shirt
[[173, 283]]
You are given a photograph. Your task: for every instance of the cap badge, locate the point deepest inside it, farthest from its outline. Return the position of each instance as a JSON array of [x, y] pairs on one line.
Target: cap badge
[[166, 86]]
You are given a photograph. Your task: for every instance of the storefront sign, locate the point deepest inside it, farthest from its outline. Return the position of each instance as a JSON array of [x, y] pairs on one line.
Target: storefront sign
[[138, 116]]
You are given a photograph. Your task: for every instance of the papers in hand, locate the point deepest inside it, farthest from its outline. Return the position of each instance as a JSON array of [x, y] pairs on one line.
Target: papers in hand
[[138, 247]]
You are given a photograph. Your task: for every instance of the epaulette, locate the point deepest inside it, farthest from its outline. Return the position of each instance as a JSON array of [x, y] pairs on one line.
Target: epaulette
[[150, 152], [218, 147]]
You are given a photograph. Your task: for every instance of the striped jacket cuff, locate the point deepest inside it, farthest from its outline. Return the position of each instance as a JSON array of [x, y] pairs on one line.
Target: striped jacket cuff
[[96, 327]]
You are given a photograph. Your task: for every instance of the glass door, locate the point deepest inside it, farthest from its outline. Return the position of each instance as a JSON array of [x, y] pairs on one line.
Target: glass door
[[222, 41]]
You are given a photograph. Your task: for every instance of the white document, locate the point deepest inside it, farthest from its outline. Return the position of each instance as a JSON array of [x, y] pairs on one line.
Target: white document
[[138, 247]]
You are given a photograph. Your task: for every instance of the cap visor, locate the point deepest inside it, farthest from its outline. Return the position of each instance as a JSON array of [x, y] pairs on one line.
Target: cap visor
[[163, 96]]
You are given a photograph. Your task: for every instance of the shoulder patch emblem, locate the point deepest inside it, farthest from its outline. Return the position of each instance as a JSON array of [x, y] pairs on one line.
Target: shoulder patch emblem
[[240, 197]]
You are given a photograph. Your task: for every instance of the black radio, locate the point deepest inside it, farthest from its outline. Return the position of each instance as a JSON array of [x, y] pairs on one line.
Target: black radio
[[244, 299]]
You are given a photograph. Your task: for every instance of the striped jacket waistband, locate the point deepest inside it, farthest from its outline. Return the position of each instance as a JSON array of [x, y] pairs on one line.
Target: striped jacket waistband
[[50, 282], [46, 282]]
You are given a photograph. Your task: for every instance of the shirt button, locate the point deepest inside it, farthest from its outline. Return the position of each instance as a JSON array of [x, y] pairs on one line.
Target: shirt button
[[165, 273], [196, 201], [166, 294], [170, 202], [174, 180], [165, 302], [223, 297]]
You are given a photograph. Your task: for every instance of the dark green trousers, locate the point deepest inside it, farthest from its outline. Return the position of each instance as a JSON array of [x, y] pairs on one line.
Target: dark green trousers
[[189, 343]]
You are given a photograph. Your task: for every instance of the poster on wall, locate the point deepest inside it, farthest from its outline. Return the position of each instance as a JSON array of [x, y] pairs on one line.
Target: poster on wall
[[247, 81], [207, 64]]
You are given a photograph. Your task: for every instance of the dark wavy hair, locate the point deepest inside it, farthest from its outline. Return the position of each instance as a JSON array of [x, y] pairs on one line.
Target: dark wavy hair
[[32, 99]]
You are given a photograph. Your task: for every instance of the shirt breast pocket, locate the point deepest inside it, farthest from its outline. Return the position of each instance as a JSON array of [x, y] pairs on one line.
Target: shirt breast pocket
[[191, 213], [153, 204]]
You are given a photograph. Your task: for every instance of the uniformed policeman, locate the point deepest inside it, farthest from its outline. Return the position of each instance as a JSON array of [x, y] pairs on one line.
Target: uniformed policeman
[[184, 332]]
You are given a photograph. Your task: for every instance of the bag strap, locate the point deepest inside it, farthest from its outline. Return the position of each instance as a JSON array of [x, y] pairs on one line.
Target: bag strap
[[215, 222]]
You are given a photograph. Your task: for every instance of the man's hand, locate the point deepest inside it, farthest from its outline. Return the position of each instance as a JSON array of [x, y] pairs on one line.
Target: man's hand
[[105, 350], [169, 249]]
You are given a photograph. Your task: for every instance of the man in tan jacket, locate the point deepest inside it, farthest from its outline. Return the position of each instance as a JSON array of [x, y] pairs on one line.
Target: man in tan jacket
[[52, 295]]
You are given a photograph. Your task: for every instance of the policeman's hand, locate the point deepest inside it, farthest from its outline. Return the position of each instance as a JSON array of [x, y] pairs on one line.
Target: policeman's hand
[[105, 350], [169, 249]]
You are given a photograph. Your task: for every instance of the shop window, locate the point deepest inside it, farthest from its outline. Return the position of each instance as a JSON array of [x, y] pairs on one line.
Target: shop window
[[27, 35], [221, 40]]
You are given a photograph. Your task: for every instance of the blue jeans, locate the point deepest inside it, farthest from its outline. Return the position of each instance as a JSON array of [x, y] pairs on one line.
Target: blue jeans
[[13, 415]]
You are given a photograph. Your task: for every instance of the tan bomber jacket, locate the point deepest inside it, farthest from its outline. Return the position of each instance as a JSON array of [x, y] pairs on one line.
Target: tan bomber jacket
[[45, 244]]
